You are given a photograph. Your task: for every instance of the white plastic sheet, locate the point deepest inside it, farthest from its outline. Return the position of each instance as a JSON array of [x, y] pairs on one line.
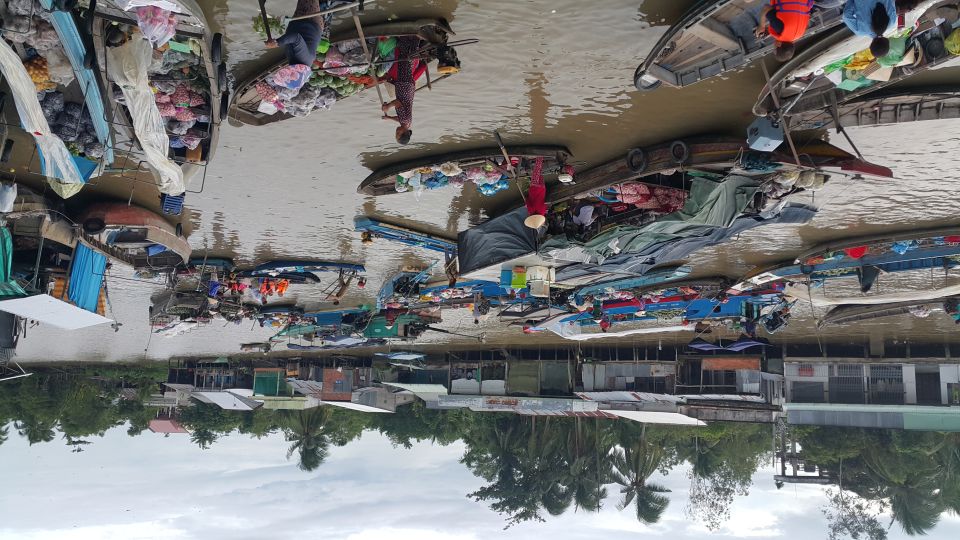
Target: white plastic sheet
[[8, 196], [168, 5], [128, 65], [57, 161]]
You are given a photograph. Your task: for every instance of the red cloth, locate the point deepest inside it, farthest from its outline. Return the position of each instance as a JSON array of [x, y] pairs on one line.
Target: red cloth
[[856, 252], [537, 194]]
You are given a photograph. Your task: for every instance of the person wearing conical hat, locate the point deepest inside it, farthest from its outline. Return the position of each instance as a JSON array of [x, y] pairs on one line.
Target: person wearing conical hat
[[536, 197]]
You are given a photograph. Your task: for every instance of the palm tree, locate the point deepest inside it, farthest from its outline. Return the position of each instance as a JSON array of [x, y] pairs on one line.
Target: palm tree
[[307, 431], [35, 430], [909, 483], [632, 467]]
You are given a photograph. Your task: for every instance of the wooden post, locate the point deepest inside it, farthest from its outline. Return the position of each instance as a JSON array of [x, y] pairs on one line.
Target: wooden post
[[366, 52]]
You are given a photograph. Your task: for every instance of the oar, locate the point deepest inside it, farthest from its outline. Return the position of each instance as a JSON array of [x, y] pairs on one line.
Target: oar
[[345, 7], [366, 52], [506, 156], [266, 21]]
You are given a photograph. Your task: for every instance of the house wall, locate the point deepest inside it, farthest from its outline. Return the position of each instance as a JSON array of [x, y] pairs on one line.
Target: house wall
[[949, 373], [909, 384]]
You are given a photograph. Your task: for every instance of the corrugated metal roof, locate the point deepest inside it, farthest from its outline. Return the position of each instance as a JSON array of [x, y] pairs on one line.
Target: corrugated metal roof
[[418, 389], [624, 396]]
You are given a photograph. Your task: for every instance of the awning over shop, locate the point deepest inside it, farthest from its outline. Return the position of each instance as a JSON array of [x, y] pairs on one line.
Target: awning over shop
[[227, 400], [86, 277], [648, 417], [49, 310], [721, 363], [423, 391], [355, 406]]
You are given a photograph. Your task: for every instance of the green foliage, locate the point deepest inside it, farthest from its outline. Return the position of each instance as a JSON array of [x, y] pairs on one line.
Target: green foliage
[[276, 27], [534, 467]]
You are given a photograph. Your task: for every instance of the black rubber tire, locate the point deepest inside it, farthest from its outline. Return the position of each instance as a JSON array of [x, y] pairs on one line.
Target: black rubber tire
[[179, 229], [222, 76], [94, 226], [680, 152], [643, 85], [216, 48], [90, 59], [224, 105], [637, 160], [7, 150]]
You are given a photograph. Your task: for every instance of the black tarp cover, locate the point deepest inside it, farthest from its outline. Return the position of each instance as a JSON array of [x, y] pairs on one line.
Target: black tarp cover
[[496, 241]]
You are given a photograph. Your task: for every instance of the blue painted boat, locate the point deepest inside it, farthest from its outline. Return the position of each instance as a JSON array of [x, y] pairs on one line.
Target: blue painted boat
[[278, 267], [653, 277], [77, 51], [373, 229], [935, 248], [693, 310]]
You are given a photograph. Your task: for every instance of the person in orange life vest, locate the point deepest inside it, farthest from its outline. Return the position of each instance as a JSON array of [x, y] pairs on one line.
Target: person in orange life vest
[[536, 197], [785, 21]]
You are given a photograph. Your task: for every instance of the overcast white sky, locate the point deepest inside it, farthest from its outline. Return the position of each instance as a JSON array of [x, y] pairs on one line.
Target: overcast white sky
[[154, 487]]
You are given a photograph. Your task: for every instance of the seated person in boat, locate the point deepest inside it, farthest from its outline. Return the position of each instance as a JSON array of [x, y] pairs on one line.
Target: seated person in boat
[[871, 18], [302, 35], [785, 21]]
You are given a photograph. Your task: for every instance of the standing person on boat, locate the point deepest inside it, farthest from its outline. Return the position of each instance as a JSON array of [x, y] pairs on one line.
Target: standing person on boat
[[343, 282], [871, 18], [302, 35], [786, 21], [405, 85], [536, 197]]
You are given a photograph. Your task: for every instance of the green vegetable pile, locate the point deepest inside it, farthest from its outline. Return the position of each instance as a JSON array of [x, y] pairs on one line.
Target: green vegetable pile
[[341, 85]]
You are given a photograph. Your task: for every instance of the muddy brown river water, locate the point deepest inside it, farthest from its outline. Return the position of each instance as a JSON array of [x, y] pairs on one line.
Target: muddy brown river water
[[544, 72]]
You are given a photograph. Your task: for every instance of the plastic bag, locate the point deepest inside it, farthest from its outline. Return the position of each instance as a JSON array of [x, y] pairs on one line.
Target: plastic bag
[[333, 63], [44, 37], [326, 99], [157, 25], [952, 43], [168, 5], [8, 196], [127, 64], [20, 7], [292, 77], [57, 161]]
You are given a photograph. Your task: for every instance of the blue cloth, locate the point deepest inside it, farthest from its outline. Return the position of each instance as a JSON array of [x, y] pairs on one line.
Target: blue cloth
[[857, 15], [86, 277], [301, 40]]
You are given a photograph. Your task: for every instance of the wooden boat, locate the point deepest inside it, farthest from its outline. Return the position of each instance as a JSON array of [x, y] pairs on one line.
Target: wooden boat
[[74, 166], [712, 38], [886, 107], [245, 108], [274, 269], [78, 46], [383, 181], [132, 234], [932, 248], [801, 86], [656, 278], [711, 154], [846, 314], [191, 25], [372, 229]]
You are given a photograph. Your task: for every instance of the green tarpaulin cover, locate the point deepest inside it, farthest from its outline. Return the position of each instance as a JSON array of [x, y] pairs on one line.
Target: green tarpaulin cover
[[711, 203]]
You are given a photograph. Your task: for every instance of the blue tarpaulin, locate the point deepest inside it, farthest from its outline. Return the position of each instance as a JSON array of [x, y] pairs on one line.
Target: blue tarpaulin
[[86, 277]]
